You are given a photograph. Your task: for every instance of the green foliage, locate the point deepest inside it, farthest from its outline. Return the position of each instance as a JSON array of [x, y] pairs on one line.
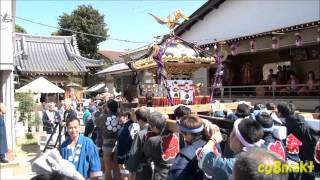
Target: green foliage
[[25, 102], [37, 121], [25, 107], [30, 139], [29, 135], [30, 122], [85, 19], [55, 33], [19, 29]]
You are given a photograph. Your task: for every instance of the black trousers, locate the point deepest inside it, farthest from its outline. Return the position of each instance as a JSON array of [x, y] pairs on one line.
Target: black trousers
[[89, 128]]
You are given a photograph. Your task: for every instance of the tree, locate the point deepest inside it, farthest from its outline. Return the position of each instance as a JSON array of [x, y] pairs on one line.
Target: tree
[[84, 19], [25, 108], [19, 29], [55, 33]]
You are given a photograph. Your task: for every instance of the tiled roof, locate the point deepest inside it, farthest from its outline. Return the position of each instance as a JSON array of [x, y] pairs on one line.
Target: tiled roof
[[115, 69], [137, 53], [96, 88], [112, 55], [50, 54]]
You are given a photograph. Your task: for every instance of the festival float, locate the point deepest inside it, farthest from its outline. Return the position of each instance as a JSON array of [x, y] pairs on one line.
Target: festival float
[[172, 61]]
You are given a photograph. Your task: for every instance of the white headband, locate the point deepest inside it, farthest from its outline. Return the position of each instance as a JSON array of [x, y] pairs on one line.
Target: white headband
[[241, 139]]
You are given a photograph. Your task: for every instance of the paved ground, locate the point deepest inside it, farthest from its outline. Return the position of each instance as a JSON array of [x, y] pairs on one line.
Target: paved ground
[[19, 166]]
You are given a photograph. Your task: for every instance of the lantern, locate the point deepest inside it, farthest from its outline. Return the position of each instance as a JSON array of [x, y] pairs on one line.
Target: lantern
[[299, 40], [253, 46], [275, 42], [234, 48]]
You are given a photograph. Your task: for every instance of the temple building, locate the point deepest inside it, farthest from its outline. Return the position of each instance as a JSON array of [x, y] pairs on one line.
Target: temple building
[[56, 58], [259, 36], [105, 84]]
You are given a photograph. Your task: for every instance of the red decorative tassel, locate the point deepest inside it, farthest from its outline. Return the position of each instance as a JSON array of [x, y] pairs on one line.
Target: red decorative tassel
[[253, 45], [275, 42], [299, 40]]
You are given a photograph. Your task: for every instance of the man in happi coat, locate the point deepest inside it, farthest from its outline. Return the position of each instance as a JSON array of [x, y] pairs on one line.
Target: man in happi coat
[[81, 151]]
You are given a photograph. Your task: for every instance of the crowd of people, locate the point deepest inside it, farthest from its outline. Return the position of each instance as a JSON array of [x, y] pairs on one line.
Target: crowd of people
[[285, 76], [136, 143]]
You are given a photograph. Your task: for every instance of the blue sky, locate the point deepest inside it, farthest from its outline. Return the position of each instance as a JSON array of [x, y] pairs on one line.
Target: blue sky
[[126, 19]]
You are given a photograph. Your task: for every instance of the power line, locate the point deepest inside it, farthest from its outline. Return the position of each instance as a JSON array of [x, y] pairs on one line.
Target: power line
[[205, 40], [78, 32]]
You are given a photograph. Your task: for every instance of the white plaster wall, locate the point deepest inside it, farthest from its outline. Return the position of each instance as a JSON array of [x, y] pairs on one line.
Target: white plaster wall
[[6, 67], [7, 89], [6, 59], [235, 18]]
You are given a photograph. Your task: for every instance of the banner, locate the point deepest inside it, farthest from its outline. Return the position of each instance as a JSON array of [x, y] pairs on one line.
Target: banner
[[182, 89]]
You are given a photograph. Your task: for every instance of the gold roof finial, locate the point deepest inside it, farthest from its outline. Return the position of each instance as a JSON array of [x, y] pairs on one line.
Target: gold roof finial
[[172, 20]]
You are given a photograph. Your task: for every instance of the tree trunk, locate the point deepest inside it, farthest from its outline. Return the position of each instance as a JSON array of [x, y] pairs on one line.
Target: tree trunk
[[29, 123]]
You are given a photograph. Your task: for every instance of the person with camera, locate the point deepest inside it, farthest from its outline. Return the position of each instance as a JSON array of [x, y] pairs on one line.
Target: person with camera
[[50, 119]]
